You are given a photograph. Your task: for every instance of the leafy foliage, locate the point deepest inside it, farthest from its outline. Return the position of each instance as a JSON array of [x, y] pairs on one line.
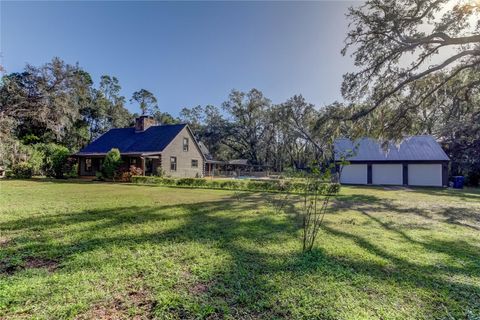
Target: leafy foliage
[[22, 170], [298, 186], [146, 100], [107, 109], [249, 129], [111, 163], [291, 134], [45, 101], [396, 44], [125, 173], [57, 103], [55, 160]]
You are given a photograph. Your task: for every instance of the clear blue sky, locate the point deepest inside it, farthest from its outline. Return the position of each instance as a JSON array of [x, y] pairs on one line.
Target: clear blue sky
[[187, 53]]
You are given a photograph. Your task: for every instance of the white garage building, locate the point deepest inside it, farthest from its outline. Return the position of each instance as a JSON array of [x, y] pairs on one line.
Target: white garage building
[[416, 161]]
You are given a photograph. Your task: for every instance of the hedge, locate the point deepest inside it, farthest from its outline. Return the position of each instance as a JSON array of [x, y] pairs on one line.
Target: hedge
[[241, 185]]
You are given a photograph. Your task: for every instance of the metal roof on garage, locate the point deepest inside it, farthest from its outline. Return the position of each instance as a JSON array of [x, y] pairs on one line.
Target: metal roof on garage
[[414, 148]]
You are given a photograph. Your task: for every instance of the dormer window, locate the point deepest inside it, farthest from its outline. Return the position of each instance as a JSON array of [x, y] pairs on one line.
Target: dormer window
[[185, 144]]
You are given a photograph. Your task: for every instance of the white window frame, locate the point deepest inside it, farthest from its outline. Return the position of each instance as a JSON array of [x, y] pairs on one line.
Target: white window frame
[[196, 161], [173, 163]]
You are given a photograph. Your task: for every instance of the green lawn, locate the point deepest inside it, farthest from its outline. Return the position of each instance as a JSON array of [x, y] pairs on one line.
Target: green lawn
[[114, 251]]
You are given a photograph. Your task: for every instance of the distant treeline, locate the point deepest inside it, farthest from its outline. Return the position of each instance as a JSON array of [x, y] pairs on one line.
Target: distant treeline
[[59, 104]]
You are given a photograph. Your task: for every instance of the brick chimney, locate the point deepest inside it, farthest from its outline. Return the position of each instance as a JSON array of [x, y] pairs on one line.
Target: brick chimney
[[142, 123]]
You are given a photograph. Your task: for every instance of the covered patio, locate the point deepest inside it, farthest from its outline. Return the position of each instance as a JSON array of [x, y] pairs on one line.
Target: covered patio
[[88, 165]]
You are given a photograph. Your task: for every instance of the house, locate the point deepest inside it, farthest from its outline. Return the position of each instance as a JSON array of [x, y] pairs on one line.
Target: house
[[416, 161], [172, 149]]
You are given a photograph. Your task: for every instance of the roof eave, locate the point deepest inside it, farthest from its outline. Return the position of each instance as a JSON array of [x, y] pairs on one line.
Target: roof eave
[[147, 153]]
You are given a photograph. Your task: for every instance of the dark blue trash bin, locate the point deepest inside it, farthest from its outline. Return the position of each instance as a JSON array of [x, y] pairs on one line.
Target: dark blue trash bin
[[458, 182]]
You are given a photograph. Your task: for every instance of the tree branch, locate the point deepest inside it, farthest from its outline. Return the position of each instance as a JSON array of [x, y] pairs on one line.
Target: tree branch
[[412, 79]]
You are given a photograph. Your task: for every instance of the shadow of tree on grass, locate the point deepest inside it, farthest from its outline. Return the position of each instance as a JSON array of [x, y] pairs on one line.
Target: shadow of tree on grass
[[247, 287]]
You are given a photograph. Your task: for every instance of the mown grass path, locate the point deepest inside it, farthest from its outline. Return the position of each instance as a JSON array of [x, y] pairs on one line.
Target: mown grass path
[[118, 251]]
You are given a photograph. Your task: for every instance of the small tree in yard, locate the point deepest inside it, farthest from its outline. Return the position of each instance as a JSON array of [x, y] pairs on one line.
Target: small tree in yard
[[319, 189], [111, 163]]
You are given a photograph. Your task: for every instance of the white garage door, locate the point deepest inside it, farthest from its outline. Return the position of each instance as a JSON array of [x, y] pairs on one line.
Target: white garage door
[[387, 174], [354, 174], [425, 175]]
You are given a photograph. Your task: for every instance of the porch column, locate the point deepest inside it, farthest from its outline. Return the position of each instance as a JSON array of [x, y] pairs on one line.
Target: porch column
[[143, 165]]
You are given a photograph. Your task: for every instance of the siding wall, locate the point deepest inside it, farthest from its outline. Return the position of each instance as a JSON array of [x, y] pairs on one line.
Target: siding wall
[[184, 158]]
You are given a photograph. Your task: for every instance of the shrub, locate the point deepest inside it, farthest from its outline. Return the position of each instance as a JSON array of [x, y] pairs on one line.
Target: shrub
[[125, 174], [111, 163], [55, 159], [169, 181], [31, 154], [316, 197], [286, 186], [190, 182], [135, 171], [263, 185], [58, 160], [98, 176], [30, 139], [72, 170], [160, 172], [8, 173], [22, 170], [37, 160]]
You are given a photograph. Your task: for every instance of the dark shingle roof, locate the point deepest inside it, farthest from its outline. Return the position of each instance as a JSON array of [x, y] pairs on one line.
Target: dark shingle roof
[[154, 139], [415, 148]]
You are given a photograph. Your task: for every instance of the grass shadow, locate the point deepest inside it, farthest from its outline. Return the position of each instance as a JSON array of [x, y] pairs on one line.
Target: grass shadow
[[245, 285]]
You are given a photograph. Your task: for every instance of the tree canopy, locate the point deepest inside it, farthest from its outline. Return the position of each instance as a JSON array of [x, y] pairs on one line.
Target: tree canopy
[[146, 101], [399, 44]]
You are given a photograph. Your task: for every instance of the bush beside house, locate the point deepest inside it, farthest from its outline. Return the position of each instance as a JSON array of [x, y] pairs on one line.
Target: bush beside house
[[112, 162]]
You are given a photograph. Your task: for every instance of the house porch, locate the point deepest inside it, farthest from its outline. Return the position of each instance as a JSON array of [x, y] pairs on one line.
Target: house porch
[[88, 166]]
